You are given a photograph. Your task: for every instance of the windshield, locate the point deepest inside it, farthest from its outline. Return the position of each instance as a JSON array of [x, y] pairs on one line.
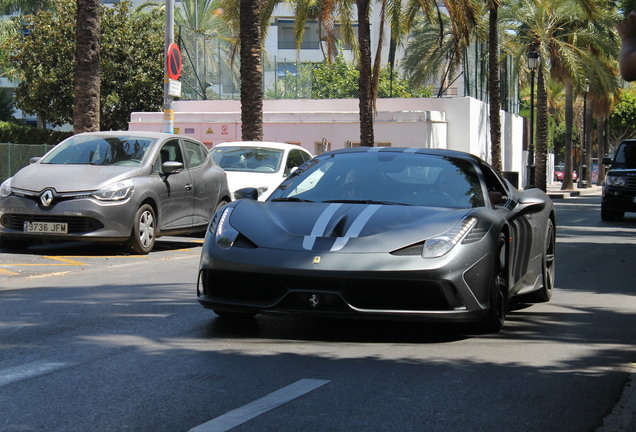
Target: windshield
[[248, 159], [626, 156], [385, 177], [99, 150]]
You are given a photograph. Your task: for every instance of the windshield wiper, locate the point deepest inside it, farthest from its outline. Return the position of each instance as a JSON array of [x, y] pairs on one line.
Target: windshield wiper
[[350, 201], [291, 199]]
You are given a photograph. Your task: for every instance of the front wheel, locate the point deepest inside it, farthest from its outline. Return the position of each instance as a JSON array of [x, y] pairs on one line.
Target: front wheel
[[608, 215], [496, 316], [142, 238], [548, 268]]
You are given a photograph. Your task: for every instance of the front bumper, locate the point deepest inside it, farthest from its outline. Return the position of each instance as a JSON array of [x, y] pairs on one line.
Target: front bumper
[[347, 285], [619, 199], [87, 218]]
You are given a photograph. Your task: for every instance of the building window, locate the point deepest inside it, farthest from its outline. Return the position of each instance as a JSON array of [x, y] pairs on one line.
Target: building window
[[287, 35]]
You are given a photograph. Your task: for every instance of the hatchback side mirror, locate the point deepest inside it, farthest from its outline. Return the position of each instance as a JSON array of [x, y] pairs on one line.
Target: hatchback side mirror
[[246, 193], [171, 167]]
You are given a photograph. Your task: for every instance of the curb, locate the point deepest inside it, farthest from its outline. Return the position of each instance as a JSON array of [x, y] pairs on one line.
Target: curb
[[554, 192], [623, 416]]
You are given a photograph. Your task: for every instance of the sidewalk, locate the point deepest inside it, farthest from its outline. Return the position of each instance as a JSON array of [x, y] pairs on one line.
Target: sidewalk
[[554, 191]]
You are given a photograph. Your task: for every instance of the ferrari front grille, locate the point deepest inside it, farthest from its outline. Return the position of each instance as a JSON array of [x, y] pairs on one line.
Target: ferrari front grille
[[273, 290]]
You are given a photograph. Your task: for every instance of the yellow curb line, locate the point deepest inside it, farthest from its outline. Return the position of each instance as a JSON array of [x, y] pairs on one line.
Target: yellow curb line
[[7, 272]]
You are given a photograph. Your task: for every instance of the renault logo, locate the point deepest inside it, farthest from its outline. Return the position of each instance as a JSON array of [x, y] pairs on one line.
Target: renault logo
[[46, 198]]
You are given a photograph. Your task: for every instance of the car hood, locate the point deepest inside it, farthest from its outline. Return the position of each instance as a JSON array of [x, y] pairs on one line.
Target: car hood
[[340, 226], [238, 180], [70, 178]]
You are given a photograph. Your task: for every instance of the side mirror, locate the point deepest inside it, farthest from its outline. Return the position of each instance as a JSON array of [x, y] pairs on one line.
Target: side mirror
[[171, 167], [527, 205], [607, 160], [34, 159], [246, 193]]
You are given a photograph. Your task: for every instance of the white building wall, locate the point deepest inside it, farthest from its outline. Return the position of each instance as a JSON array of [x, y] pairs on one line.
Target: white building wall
[[453, 123]]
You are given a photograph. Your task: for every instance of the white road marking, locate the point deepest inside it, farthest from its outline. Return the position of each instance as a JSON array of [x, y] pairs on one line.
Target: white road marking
[[18, 373], [254, 409]]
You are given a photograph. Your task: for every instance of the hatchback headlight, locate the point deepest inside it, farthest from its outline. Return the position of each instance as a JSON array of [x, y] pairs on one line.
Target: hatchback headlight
[[438, 246], [612, 180], [224, 233], [5, 188], [119, 191]]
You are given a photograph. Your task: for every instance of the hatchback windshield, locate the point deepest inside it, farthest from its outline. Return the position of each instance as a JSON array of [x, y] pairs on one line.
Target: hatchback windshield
[[99, 150], [385, 177], [247, 159]]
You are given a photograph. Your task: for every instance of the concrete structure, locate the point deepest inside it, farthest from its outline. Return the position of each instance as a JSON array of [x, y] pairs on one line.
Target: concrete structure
[[453, 123]]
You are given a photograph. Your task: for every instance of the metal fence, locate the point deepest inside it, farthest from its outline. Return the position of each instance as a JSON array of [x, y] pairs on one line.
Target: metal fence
[[15, 156]]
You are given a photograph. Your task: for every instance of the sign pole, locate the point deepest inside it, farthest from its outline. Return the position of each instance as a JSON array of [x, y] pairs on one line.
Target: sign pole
[[168, 112]]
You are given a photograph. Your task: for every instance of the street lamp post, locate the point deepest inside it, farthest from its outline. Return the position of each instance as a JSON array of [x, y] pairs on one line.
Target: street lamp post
[[583, 178], [533, 63]]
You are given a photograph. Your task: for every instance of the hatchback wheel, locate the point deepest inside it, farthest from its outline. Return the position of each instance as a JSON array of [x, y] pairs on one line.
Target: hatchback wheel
[[142, 238]]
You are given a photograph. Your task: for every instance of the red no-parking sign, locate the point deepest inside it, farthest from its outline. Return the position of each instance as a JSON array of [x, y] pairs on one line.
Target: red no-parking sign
[[174, 61]]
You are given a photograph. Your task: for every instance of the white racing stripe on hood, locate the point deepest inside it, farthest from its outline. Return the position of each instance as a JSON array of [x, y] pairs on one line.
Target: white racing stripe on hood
[[354, 230], [320, 226], [356, 227]]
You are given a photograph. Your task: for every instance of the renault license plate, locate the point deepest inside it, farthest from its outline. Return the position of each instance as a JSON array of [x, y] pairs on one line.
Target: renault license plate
[[46, 227]]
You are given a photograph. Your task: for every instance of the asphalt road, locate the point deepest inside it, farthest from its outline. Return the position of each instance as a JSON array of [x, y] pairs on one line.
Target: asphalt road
[[95, 340]]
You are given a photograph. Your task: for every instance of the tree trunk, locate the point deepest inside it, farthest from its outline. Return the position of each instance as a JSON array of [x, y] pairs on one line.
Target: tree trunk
[[589, 119], [541, 133], [493, 87], [251, 71], [86, 85], [366, 100], [569, 119], [600, 131]]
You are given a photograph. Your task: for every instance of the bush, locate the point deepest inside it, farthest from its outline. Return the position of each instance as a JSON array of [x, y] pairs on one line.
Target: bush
[[23, 134]]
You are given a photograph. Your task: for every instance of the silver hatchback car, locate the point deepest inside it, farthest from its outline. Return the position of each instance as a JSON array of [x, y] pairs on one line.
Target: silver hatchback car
[[128, 187]]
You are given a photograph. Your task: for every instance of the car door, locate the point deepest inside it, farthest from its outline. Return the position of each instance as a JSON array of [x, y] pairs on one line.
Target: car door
[[206, 181], [176, 196]]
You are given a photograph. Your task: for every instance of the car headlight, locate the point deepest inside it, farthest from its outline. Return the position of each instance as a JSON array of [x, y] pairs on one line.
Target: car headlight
[[612, 180], [438, 246], [5, 188], [224, 233], [119, 191]]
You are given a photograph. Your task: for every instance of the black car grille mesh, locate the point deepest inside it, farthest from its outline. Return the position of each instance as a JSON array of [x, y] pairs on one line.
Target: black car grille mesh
[[76, 224], [630, 182], [275, 291]]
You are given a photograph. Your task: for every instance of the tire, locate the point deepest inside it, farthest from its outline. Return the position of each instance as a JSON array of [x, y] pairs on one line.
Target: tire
[[548, 269], [219, 205], [13, 243], [496, 316], [142, 238], [608, 215]]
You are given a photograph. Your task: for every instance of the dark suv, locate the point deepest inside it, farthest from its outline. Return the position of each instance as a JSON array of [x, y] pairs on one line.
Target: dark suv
[[619, 188]]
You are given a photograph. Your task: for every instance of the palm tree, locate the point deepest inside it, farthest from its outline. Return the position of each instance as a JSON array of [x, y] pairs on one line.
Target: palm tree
[[86, 84], [493, 84], [251, 71], [335, 21], [554, 29], [366, 98]]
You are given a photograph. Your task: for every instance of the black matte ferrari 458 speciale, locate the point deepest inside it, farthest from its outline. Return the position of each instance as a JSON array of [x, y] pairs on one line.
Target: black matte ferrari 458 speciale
[[382, 232]]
